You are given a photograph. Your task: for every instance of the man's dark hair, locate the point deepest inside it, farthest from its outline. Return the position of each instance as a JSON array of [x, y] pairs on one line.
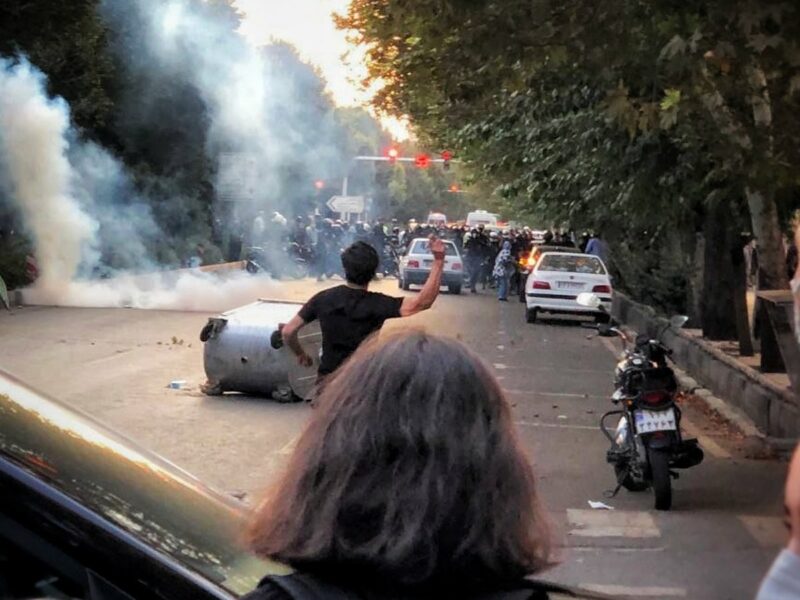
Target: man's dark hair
[[409, 473], [360, 262]]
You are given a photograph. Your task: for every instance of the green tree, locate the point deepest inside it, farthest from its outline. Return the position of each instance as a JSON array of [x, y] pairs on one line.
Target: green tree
[[617, 115], [67, 41]]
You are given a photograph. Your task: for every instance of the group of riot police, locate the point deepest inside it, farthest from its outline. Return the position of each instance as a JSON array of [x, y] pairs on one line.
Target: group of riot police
[[317, 243]]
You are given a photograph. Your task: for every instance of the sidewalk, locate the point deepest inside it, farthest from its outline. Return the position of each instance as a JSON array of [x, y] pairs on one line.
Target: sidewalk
[[763, 403]]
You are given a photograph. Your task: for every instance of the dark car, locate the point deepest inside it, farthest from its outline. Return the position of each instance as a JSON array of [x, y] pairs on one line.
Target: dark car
[[85, 513]]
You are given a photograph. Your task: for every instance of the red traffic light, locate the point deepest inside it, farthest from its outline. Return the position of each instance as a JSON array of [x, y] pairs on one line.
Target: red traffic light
[[392, 153], [422, 161], [319, 184]]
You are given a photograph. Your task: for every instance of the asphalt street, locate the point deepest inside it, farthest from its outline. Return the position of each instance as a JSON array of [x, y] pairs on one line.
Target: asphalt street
[[717, 542]]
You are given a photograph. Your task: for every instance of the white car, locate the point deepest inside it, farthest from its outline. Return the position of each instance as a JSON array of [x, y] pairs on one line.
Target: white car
[[556, 280], [415, 266]]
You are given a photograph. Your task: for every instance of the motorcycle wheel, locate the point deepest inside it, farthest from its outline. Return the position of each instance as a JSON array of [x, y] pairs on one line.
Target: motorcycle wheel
[[662, 481], [299, 270], [629, 482]]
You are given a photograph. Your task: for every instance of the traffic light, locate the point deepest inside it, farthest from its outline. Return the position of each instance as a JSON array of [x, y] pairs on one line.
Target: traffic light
[[319, 184], [392, 153], [446, 156], [454, 188], [422, 161]]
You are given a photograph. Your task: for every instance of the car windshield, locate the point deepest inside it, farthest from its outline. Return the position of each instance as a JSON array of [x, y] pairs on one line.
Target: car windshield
[[423, 247], [572, 263]]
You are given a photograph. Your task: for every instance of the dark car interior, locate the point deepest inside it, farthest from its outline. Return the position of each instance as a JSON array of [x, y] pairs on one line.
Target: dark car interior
[[31, 567]]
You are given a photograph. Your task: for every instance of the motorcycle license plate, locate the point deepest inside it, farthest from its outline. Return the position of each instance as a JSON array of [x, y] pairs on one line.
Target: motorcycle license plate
[[648, 421]]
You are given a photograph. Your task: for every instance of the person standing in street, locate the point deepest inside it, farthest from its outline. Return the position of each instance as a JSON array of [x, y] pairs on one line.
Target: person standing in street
[[474, 248], [597, 247], [408, 482], [350, 313], [503, 267]]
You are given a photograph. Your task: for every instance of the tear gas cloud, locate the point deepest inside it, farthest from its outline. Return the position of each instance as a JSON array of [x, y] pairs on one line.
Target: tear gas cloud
[[189, 290], [76, 200], [37, 173]]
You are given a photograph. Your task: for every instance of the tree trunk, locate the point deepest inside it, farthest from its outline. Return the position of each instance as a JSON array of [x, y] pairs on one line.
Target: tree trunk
[[718, 317], [694, 301], [739, 272], [767, 229]]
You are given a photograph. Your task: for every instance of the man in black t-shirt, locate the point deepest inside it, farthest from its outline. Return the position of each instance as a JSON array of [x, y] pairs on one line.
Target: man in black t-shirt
[[350, 313]]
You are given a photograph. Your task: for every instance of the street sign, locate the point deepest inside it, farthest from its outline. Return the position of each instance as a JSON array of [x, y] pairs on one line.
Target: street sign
[[346, 204]]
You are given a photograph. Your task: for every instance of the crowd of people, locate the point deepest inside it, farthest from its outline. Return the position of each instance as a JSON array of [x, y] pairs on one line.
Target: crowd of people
[[491, 255]]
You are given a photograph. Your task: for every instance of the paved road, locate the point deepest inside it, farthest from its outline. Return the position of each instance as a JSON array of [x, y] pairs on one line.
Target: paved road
[[715, 544]]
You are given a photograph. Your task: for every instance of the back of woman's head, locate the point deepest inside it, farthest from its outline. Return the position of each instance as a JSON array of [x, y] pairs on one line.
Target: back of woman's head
[[409, 473]]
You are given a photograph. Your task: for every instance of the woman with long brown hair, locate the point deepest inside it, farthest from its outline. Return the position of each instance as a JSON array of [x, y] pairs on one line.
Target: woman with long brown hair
[[409, 482]]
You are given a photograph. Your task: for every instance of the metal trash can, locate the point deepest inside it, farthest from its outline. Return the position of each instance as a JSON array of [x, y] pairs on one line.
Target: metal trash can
[[244, 352]]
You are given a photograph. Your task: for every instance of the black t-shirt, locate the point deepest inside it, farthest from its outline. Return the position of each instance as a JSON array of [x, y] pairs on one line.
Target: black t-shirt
[[347, 316]]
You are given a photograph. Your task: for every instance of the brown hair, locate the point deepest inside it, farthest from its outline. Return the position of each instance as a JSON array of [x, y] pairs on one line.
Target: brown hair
[[409, 472]]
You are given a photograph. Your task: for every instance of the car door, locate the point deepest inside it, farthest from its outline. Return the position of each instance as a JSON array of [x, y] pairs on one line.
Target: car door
[[51, 546]]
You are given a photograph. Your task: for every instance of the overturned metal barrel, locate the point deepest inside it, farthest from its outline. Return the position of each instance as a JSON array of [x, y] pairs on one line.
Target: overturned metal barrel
[[244, 352]]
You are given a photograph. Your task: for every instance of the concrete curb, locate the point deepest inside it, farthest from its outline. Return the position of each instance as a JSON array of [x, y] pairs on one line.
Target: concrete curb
[[753, 403], [744, 423]]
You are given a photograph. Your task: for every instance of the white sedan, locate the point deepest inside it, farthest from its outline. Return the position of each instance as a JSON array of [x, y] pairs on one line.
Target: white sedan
[[556, 280], [415, 266]]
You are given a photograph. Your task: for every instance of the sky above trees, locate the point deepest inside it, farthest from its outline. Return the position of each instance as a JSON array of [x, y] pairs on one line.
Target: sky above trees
[[308, 25]]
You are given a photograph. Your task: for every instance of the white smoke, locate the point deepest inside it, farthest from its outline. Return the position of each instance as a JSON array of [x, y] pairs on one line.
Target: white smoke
[[184, 38], [186, 291], [54, 195], [76, 199], [33, 153]]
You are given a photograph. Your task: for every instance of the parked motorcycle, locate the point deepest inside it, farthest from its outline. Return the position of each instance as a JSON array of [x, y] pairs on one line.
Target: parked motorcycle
[[647, 443]]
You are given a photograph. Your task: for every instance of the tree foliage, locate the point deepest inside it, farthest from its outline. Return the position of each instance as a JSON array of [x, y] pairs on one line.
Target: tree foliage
[[66, 40], [629, 116]]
